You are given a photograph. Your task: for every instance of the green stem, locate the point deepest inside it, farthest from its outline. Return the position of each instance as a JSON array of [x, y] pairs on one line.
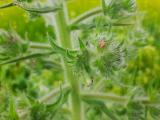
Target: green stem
[[92, 26], [35, 45], [86, 15], [63, 35], [34, 55], [115, 98], [30, 9], [37, 10], [7, 5]]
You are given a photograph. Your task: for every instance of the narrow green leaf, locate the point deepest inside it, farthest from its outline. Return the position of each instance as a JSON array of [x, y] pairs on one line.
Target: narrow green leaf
[[82, 62], [59, 102], [64, 52]]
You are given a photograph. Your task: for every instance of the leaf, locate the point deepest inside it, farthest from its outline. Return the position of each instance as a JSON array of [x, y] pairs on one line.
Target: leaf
[[83, 59], [60, 101], [71, 54], [40, 111], [83, 62], [12, 110], [102, 107]]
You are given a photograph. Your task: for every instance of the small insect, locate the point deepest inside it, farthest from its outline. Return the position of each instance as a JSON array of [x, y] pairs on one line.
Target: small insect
[[102, 43], [90, 83]]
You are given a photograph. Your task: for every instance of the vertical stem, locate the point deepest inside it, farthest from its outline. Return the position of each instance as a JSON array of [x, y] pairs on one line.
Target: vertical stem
[[63, 35]]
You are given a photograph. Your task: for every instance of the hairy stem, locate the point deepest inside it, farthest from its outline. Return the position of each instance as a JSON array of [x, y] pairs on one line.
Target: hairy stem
[[86, 15], [114, 98], [34, 55], [92, 26], [31, 9], [7, 5], [35, 45], [63, 35]]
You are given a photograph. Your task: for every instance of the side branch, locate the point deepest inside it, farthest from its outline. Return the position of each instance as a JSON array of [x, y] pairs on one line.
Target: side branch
[[86, 15], [26, 57], [31, 9], [114, 98], [35, 45], [7, 5], [92, 26]]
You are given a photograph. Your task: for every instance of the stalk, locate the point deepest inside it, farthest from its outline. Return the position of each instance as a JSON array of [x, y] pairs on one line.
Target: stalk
[[30, 9], [35, 55], [86, 15], [41, 46], [115, 98], [64, 38]]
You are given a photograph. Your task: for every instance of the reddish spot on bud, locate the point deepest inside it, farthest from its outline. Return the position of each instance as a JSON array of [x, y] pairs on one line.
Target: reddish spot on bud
[[102, 44]]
